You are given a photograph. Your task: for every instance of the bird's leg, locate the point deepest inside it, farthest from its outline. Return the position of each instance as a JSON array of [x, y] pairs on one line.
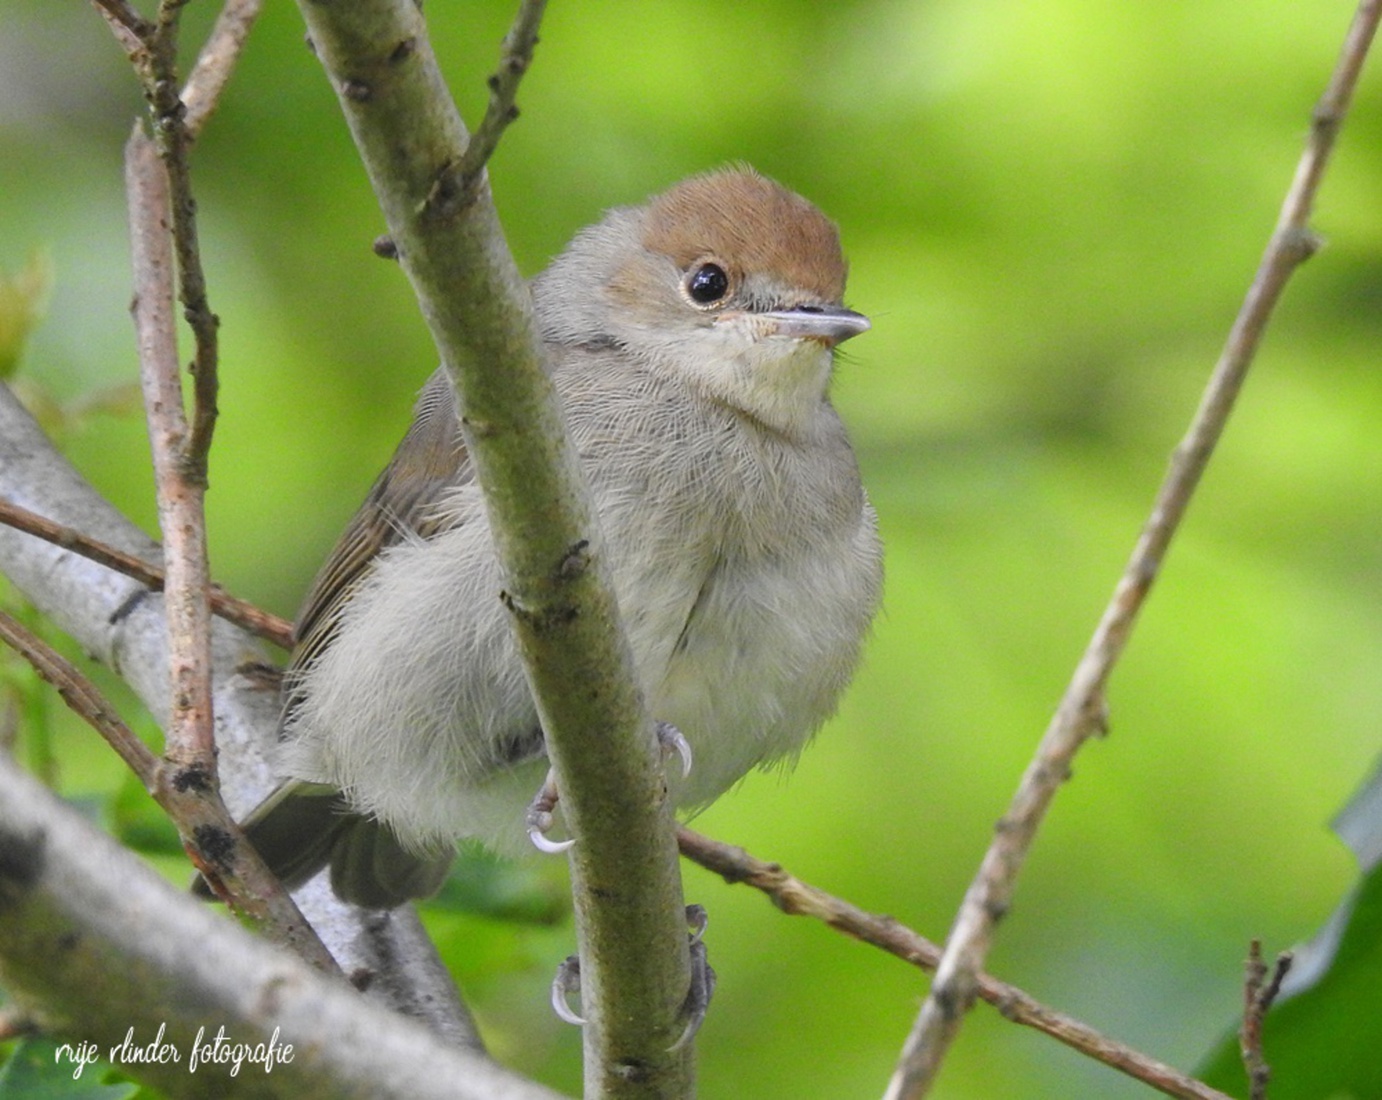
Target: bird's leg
[[539, 817]]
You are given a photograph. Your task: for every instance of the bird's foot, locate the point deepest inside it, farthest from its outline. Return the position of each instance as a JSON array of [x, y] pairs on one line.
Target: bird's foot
[[539, 817], [568, 981], [672, 741], [702, 987]]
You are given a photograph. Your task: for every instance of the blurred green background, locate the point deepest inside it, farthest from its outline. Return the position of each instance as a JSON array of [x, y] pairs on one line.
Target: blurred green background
[[1052, 210]]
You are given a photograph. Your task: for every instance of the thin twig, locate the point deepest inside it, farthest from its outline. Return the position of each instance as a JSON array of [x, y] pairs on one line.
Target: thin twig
[[174, 141], [185, 783], [1259, 993], [234, 610], [81, 695], [180, 497], [1081, 711], [131, 28], [152, 48], [516, 56], [798, 898], [217, 59]]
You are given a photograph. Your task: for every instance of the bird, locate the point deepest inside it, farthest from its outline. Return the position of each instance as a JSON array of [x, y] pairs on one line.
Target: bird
[[692, 341]]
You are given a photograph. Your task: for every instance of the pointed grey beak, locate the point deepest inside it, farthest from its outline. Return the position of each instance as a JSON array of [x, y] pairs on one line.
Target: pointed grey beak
[[830, 324]]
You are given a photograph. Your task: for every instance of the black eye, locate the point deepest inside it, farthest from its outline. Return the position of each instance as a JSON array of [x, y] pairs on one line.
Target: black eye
[[708, 283]]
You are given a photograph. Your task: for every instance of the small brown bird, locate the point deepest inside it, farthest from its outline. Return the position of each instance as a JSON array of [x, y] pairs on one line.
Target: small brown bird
[[692, 342]]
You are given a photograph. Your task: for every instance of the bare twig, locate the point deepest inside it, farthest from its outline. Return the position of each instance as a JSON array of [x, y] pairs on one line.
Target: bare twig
[[516, 56], [1259, 993], [240, 612], [170, 132], [1081, 711], [180, 497], [186, 784], [128, 26], [217, 59], [798, 898], [81, 695], [152, 49]]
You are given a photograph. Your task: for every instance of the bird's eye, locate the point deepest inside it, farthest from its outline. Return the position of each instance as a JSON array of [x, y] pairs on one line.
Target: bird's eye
[[707, 284]]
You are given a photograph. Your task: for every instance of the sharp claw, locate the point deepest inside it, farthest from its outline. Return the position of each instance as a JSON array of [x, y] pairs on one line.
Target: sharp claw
[[566, 982], [698, 995], [697, 919], [551, 847], [540, 817], [672, 741]]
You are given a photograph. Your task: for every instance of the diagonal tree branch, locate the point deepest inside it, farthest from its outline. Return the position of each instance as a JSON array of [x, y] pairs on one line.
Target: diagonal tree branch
[[215, 63], [93, 943], [1080, 714], [129, 27], [234, 610], [630, 918], [209, 833], [81, 695], [797, 898]]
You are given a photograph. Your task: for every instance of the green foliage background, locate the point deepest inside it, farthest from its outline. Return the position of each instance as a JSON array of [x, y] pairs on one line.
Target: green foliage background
[[1053, 209]]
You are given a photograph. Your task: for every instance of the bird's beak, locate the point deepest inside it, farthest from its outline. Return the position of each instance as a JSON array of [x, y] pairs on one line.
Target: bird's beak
[[830, 325]]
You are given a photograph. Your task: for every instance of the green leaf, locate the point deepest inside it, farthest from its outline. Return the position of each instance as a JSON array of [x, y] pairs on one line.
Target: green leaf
[[23, 302], [42, 1069], [138, 821]]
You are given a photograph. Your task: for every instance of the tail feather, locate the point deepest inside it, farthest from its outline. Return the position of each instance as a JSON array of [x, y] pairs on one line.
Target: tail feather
[[302, 827]]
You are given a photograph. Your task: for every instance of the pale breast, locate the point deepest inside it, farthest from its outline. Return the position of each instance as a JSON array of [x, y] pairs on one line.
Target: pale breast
[[748, 569]]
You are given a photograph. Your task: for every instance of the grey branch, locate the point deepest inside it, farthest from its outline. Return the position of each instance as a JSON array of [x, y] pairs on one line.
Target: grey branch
[[181, 498], [635, 969], [95, 945], [186, 783], [1080, 714]]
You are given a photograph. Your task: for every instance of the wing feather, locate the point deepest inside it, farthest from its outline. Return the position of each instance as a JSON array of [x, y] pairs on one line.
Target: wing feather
[[402, 504]]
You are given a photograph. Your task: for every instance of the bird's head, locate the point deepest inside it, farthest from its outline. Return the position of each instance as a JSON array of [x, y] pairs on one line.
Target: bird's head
[[728, 279]]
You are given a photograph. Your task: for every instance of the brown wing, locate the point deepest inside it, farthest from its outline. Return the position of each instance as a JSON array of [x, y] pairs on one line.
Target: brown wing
[[430, 460]]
